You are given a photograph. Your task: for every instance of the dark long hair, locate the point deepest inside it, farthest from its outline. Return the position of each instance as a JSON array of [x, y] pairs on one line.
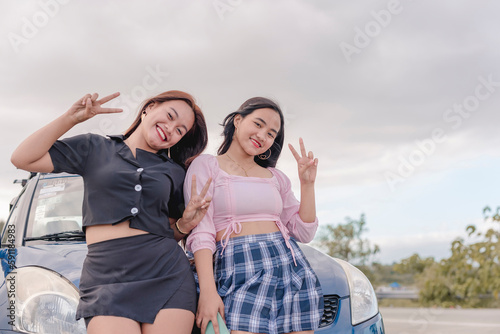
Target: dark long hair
[[248, 107], [193, 142]]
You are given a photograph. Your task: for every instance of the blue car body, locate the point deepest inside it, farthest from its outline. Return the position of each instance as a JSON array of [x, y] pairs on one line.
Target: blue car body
[[24, 241]]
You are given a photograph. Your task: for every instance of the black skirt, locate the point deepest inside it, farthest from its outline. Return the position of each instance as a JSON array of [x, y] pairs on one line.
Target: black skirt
[[135, 277]]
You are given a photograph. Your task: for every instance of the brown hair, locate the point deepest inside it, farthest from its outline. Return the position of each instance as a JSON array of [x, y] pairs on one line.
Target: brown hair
[[193, 142]]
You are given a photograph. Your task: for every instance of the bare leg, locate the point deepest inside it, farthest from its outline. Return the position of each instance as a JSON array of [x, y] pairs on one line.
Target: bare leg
[[171, 321], [113, 325]]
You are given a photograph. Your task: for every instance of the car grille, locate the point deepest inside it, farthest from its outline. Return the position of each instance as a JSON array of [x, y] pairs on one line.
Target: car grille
[[330, 312]]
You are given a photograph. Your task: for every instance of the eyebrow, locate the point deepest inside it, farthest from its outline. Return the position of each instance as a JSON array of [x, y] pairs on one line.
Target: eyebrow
[[177, 117], [260, 119]]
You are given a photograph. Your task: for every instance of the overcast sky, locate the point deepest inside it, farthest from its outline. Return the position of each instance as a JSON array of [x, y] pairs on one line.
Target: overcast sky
[[398, 99]]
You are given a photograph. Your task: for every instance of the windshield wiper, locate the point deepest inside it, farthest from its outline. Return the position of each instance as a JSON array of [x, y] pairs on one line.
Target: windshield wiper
[[60, 236]]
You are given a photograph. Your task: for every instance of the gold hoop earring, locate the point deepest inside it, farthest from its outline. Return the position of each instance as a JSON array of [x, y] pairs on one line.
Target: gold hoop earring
[[263, 156]]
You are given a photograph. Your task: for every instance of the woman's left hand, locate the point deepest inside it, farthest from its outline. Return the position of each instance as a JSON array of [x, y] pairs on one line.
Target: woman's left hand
[[307, 164], [197, 206]]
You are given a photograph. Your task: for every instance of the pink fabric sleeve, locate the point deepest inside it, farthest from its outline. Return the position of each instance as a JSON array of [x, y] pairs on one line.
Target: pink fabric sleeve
[[300, 230], [203, 235]]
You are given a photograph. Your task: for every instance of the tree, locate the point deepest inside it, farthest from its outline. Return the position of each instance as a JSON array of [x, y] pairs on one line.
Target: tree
[[345, 241], [471, 276], [414, 265]]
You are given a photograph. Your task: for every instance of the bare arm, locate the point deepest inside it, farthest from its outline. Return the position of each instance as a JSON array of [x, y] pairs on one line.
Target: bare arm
[[307, 209], [33, 153], [307, 166], [210, 302]]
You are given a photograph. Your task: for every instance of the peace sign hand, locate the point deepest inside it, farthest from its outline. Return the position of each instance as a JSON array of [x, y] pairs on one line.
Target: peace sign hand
[[307, 164], [89, 106], [197, 206]]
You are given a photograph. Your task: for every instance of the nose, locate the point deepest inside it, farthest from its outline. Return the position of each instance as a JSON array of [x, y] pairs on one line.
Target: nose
[[261, 136], [167, 128]]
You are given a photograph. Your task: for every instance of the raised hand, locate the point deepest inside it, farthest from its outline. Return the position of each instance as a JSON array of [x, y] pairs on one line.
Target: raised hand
[[89, 106], [33, 153], [197, 206], [306, 162]]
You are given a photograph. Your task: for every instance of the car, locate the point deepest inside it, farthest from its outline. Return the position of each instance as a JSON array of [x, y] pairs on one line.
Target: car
[[43, 249]]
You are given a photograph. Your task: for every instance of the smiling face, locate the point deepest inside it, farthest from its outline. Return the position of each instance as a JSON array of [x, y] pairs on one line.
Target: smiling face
[[255, 133], [164, 124]]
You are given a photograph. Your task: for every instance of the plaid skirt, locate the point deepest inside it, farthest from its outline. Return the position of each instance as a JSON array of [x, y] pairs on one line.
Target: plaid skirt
[[262, 289]]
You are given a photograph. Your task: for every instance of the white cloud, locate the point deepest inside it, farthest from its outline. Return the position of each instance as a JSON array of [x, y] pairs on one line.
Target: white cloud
[[357, 117]]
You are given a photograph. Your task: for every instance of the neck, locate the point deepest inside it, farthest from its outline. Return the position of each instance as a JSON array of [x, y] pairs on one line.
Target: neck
[[134, 142], [239, 155]]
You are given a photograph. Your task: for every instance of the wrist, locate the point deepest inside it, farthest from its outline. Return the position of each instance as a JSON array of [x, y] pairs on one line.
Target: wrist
[[307, 185], [208, 289], [180, 229], [69, 119]]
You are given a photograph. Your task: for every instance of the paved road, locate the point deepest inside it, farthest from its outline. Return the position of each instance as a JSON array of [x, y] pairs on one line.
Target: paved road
[[440, 321]]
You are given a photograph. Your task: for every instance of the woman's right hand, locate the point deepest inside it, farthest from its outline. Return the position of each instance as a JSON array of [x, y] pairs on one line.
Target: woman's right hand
[[197, 206], [89, 106], [208, 305], [33, 153]]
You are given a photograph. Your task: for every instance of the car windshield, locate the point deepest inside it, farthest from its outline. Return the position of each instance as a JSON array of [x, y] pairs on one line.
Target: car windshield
[[56, 206]]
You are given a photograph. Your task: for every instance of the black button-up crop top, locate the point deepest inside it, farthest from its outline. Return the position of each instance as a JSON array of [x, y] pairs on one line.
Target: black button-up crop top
[[146, 189]]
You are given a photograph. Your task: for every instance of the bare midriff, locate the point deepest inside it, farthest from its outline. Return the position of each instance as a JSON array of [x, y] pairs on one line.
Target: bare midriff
[[249, 228], [98, 233]]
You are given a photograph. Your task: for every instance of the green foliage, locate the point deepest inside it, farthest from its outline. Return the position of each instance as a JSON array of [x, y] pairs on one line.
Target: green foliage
[[345, 241], [414, 265], [471, 276], [385, 274]]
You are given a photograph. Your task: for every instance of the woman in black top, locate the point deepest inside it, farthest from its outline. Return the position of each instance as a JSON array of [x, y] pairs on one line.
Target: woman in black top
[[135, 278]]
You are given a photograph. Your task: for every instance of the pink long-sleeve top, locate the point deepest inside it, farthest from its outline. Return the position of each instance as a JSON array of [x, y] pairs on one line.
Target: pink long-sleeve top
[[237, 199]]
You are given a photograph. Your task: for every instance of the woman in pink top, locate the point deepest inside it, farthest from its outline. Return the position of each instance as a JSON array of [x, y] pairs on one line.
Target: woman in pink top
[[261, 282]]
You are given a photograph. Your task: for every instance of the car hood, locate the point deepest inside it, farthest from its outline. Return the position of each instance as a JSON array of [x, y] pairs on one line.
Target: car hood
[[330, 273], [63, 258], [67, 260]]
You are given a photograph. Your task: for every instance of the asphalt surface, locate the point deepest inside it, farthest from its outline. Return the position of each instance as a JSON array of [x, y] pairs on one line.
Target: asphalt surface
[[440, 321]]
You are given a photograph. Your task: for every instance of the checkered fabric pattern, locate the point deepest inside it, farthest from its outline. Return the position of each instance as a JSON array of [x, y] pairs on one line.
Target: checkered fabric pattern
[[262, 289]]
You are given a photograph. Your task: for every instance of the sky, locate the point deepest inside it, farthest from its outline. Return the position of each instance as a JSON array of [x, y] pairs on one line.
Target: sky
[[398, 99]]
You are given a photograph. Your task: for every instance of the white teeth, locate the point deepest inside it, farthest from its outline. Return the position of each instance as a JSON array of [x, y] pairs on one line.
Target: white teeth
[[160, 132]]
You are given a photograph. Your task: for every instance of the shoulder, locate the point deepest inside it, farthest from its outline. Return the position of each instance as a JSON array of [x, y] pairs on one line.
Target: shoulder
[[115, 139], [278, 174], [82, 142], [204, 161], [101, 143], [83, 137], [90, 138], [93, 137], [205, 158], [283, 180], [205, 165]]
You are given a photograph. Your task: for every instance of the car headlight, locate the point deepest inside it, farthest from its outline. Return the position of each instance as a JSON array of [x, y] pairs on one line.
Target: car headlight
[[364, 303], [42, 301]]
